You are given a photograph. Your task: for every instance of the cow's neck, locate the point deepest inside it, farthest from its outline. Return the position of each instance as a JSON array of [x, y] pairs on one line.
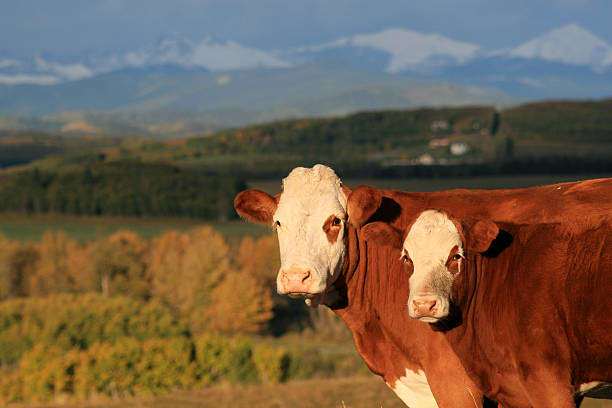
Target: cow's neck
[[479, 295], [375, 291], [483, 274]]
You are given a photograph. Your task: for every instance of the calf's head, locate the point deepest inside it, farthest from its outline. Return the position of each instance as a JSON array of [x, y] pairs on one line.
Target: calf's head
[[310, 217], [436, 246], [434, 250]]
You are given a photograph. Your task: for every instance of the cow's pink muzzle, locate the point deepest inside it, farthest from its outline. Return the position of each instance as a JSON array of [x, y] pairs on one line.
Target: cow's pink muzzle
[[295, 282]]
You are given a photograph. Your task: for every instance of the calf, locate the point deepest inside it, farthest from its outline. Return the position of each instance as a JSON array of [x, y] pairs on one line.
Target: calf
[[525, 307]]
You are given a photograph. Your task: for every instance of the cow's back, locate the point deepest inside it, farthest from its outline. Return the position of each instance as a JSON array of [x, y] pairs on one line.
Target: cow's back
[[550, 203]]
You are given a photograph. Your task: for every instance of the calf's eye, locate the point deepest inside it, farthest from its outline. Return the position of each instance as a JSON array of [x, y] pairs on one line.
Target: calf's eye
[[277, 223], [336, 221]]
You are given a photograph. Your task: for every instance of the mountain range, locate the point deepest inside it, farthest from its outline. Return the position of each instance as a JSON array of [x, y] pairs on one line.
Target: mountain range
[[235, 84]]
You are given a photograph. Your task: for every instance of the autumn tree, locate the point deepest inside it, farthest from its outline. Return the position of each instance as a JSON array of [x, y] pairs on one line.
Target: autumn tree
[[185, 267], [260, 258], [51, 274], [9, 282], [240, 304], [119, 264], [82, 269], [23, 262]]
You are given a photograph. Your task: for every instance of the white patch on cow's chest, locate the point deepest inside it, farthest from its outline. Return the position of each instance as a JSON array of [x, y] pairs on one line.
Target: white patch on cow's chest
[[414, 390], [596, 389]]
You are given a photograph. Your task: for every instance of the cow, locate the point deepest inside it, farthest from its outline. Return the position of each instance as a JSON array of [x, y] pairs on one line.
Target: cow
[[326, 259], [525, 307]]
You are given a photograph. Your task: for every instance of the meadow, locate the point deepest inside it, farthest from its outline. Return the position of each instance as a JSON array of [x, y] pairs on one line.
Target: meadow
[[367, 391], [22, 227]]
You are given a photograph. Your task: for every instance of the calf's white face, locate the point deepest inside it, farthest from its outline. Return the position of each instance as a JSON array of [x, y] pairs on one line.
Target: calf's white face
[[434, 247], [310, 222]]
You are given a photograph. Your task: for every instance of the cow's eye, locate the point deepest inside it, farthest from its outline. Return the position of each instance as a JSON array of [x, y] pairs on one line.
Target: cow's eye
[[336, 221], [277, 223], [457, 257], [405, 258]]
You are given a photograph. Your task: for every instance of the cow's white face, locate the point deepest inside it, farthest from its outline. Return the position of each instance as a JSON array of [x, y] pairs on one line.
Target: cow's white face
[[435, 249], [310, 222]]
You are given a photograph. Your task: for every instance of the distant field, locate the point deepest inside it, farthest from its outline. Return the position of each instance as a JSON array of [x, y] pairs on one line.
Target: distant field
[[22, 228], [426, 184], [88, 228], [355, 392]]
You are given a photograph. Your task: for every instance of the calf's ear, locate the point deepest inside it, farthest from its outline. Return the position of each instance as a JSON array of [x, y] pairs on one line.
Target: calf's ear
[[362, 203], [382, 233], [481, 235], [256, 206]]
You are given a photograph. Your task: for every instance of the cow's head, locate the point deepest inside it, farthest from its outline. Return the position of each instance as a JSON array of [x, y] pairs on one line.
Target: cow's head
[[311, 217], [434, 250]]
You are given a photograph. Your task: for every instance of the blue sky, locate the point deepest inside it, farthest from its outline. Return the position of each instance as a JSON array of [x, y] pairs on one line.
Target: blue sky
[[30, 27]]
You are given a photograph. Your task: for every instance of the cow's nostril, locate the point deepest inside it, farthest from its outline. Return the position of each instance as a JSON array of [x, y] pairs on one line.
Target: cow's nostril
[[306, 276], [424, 307]]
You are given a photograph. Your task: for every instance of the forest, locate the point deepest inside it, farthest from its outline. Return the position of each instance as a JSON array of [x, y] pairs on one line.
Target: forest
[[124, 316]]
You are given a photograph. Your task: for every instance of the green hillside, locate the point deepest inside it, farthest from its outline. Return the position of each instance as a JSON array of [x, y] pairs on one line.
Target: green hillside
[[198, 176], [566, 128]]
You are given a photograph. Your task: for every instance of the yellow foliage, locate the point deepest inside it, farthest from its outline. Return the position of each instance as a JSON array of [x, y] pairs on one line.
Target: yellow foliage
[[184, 270], [240, 304], [6, 280], [51, 275], [260, 257], [271, 363], [82, 270]]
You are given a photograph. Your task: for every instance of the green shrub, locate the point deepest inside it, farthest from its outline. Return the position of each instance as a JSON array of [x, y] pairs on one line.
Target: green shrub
[[154, 366], [239, 360], [272, 363], [68, 321], [210, 353]]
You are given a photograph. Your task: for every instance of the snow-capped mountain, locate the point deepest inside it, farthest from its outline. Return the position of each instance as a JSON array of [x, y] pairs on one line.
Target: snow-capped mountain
[[364, 70], [403, 50], [571, 44], [208, 54], [393, 50]]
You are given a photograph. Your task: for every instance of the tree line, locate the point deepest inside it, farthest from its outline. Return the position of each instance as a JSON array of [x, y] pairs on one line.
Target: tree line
[[120, 188], [125, 316], [194, 274]]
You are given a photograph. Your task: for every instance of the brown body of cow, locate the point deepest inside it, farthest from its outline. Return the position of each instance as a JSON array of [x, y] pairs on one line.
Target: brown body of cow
[[371, 292], [536, 320], [533, 325]]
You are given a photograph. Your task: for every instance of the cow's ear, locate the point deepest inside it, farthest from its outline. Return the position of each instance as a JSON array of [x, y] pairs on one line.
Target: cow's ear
[[481, 235], [362, 203], [347, 191], [256, 206], [382, 233]]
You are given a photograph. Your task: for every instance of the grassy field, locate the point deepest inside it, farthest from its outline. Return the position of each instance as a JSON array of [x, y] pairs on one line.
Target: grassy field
[[23, 228], [354, 392]]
